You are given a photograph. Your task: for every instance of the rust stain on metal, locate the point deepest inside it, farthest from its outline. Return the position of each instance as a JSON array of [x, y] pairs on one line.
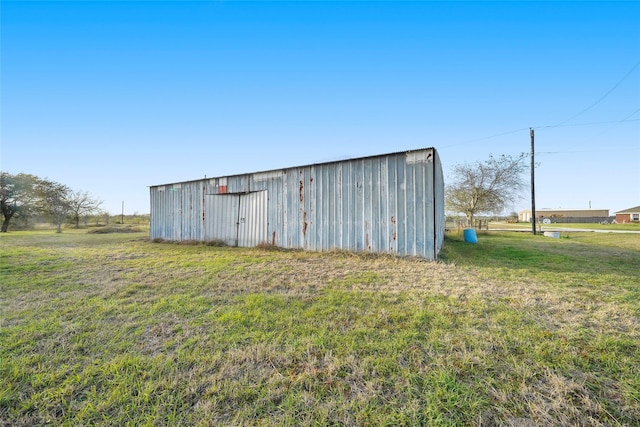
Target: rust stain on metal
[[393, 221], [301, 191], [273, 239], [304, 223]]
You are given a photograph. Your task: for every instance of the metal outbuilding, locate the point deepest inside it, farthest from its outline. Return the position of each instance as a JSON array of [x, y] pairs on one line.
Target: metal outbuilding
[[391, 203]]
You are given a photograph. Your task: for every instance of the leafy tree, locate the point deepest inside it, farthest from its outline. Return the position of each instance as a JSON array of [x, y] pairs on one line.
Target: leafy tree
[[485, 187], [81, 204], [17, 196], [53, 199], [24, 195]]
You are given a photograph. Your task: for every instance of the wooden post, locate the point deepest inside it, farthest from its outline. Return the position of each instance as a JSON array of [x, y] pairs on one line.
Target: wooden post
[[533, 186]]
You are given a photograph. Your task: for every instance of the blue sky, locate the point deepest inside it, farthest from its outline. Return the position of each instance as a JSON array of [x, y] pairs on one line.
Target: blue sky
[[112, 97]]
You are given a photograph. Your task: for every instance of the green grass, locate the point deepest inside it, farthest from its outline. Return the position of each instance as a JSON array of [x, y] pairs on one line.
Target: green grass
[[634, 226], [111, 329]]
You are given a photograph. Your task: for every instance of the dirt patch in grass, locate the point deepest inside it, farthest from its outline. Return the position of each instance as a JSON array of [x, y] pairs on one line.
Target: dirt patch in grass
[[115, 229]]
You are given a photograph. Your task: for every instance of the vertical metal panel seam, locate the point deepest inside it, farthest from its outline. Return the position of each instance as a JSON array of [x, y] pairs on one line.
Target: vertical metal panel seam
[[433, 198]]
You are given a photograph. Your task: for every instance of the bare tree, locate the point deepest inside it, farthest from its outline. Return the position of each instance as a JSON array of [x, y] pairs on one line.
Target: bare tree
[[81, 204], [17, 196], [486, 187], [53, 199], [107, 217]]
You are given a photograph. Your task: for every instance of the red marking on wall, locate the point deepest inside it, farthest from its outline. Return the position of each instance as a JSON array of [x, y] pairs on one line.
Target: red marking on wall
[[222, 189]]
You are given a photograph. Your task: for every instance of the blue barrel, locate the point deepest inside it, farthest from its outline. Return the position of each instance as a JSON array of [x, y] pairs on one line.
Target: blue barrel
[[470, 235]]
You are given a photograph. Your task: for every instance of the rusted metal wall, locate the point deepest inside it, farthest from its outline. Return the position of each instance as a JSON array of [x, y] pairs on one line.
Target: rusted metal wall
[[391, 203]]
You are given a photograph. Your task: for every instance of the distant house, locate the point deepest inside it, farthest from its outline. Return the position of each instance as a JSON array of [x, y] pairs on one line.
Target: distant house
[[566, 215], [628, 215]]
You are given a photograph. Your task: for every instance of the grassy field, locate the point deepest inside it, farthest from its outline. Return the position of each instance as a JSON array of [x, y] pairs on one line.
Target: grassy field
[[518, 330], [497, 225]]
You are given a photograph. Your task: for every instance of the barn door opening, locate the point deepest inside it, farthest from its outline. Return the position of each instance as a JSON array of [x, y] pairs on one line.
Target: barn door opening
[[236, 219], [252, 219]]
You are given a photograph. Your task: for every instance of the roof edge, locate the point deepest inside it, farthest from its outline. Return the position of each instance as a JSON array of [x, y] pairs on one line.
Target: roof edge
[[299, 166]]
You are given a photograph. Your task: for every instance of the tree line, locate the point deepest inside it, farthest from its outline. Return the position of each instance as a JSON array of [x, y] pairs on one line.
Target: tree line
[[482, 187], [24, 196]]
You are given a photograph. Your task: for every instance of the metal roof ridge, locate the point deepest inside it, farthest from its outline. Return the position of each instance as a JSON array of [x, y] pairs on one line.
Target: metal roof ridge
[[294, 167]]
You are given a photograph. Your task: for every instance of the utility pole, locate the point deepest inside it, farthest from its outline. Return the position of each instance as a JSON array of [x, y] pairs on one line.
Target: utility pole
[[533, 187], [122, 214]]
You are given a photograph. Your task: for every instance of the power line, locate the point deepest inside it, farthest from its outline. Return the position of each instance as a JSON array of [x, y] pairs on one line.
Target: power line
[[562, 124], [626, 119], [486, 137], [587, 151], [594, 137], [603, 96]]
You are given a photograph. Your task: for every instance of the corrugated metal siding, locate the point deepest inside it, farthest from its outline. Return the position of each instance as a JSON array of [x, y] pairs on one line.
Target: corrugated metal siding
[[252, 219], [438, 191], [391, 203], [221, 218], [236, 219]]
